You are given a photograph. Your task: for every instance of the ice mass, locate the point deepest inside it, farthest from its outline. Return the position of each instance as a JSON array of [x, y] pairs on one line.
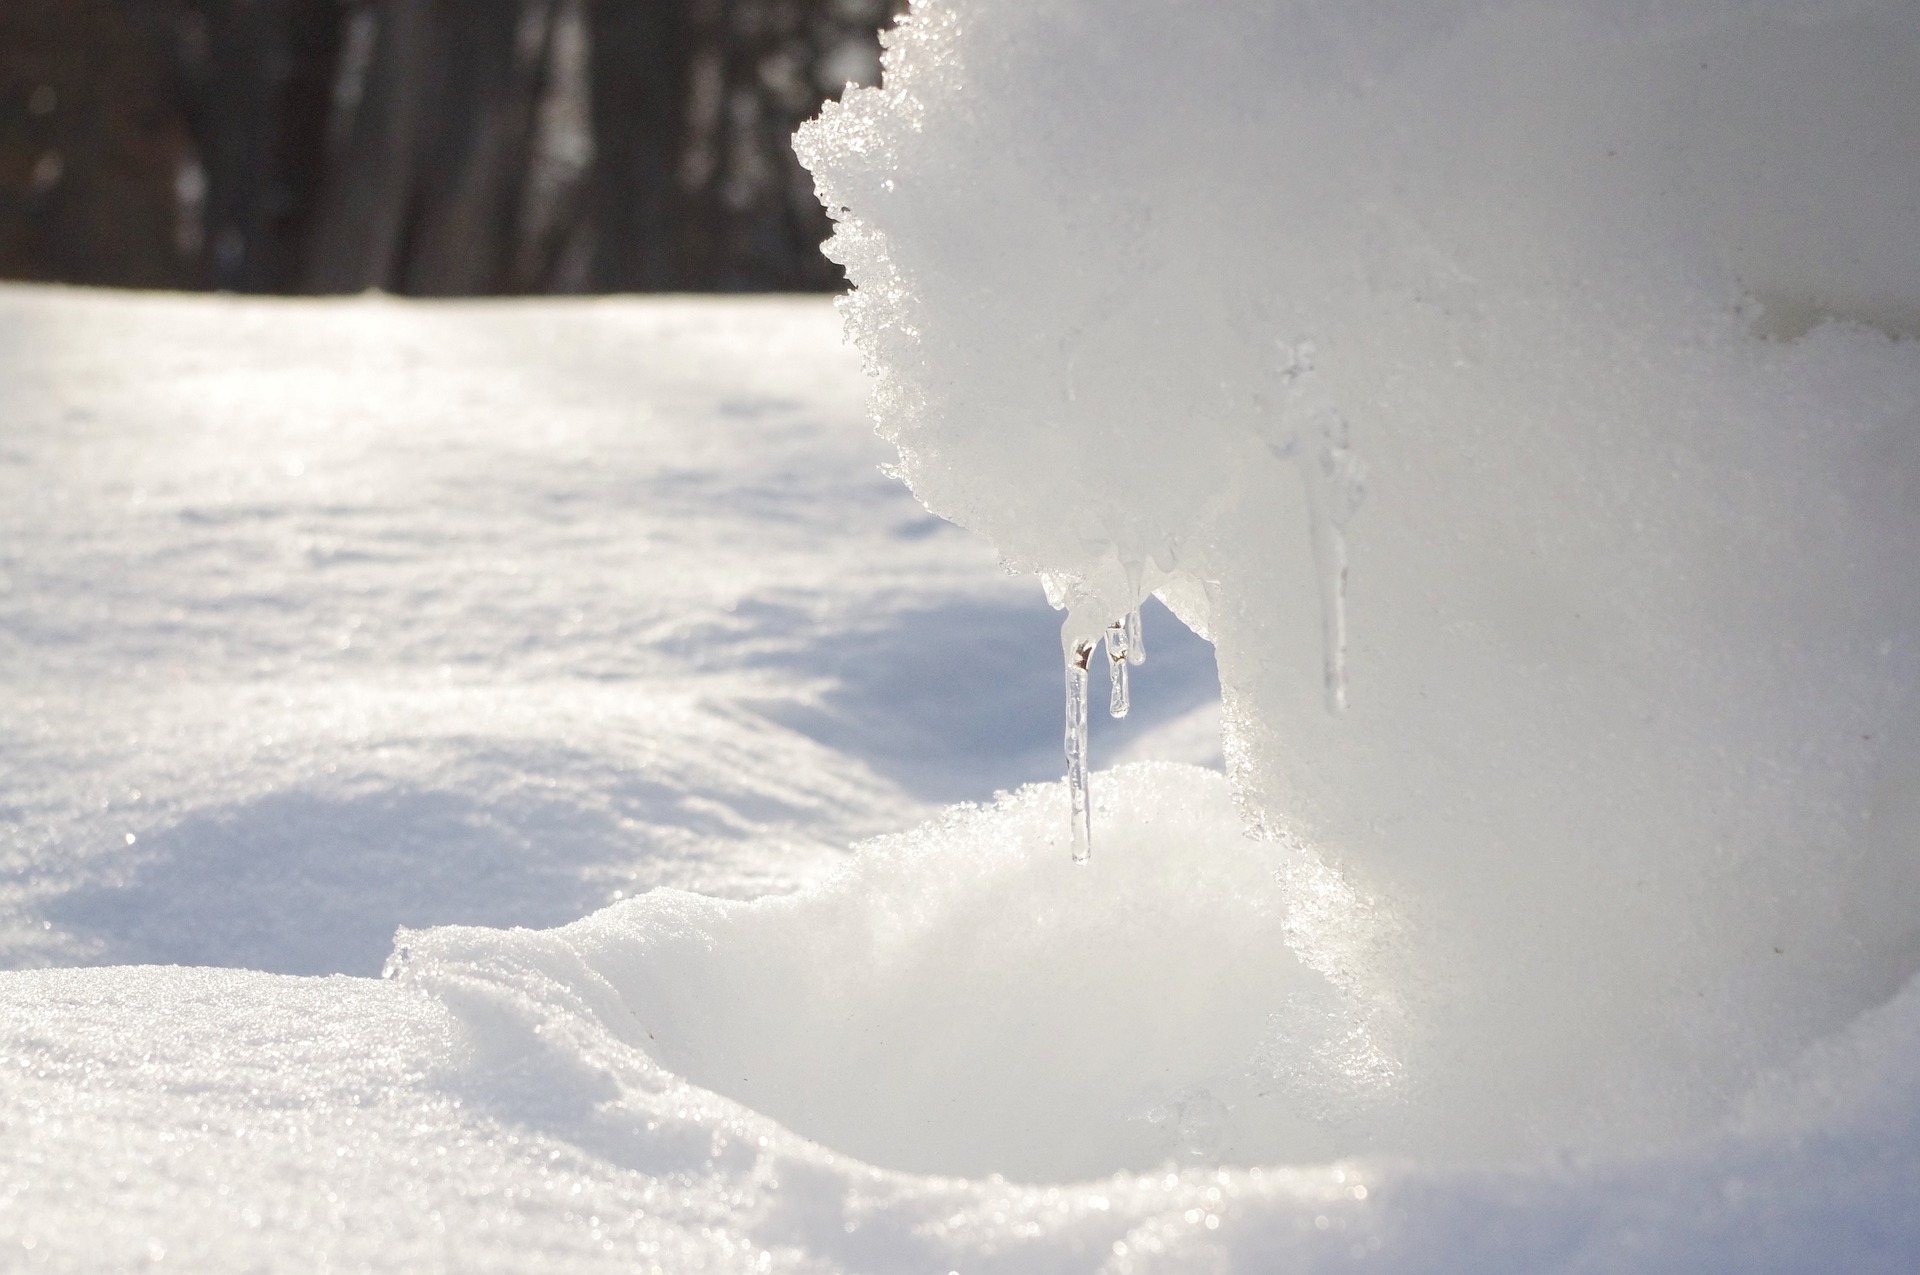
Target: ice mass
[[1522, 399]]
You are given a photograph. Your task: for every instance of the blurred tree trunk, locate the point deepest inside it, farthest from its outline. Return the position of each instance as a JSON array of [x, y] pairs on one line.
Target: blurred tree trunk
[[93, 147], [261, 78], [694, 105], [361, 222], [424, 194], [477, 152], [640, 69], [758, 225]]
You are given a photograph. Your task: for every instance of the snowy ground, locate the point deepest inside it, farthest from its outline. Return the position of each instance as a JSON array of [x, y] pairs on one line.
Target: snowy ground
[[318, 620], [322, 619]]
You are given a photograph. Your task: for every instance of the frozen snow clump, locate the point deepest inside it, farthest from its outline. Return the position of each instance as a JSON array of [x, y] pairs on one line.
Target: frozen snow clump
[[1544, 378]]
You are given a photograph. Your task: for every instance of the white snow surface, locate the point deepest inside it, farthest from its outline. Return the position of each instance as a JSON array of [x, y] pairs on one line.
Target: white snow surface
[[372, 614], [326, 618]]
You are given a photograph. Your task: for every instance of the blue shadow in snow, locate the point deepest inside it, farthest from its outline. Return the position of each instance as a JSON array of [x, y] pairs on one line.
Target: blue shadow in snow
[[956, 702], [306, 883]]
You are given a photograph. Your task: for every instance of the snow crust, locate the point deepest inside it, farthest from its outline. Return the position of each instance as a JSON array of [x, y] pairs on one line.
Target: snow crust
[[1525, 399]]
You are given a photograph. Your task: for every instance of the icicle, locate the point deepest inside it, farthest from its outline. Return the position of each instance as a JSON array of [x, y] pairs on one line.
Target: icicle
[[1120, 699], [1077, 749], [1333, 615], [1335, 487], [1335, 481], [1136, 644]]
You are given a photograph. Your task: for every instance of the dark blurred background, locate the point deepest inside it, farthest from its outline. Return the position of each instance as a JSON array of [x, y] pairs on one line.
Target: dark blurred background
[[427, 147]]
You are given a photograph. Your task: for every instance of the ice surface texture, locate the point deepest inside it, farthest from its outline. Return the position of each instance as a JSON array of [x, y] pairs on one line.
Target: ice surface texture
[[1575, 345]]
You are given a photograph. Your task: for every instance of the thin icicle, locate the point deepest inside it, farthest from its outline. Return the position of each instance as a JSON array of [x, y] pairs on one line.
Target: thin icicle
[[1077, 750], [1333, 614], [1120, 699], [1136, 644], [1307, 429], [1335, 487]]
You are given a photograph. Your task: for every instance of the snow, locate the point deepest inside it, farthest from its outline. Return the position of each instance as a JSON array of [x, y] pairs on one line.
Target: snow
[[951, 1051], [1525, 399], [961, 1000], [324, 618], [358, 614], [504, 1105], [578, 641]]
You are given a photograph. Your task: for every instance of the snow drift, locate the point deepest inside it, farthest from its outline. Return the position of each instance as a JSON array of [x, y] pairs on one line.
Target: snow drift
[[1535, 382], [963, 1000]]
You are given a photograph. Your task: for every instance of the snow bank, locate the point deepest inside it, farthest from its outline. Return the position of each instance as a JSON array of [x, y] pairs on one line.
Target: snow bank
[[503, 1104], [962, 1000], [1537, 381]]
